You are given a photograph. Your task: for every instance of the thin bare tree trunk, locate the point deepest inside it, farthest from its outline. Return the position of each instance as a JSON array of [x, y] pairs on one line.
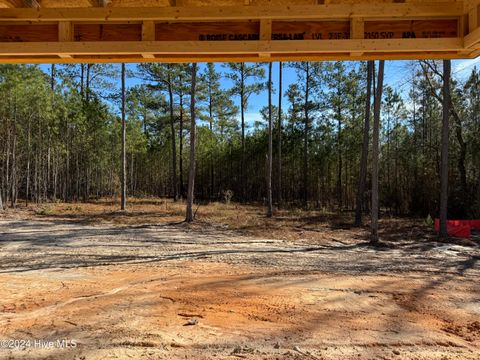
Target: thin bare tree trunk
[[444, 151], [132, 175], [270, 144], [305, 136], [180, 145], [279, 175], [172, 130], [7, 166], [27, 197], [193, 130], [375, 151], [52, 78], [124, 153], [366, 137], [82, 76], [242, 111], [339, 149], [14, 184], [210, 119]]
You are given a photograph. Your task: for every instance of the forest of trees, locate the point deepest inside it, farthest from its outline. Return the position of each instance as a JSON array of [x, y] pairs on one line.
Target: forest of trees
[[61, 135]]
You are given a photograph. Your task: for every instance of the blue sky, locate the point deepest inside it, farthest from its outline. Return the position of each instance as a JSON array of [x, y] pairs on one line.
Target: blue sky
[[397, 75]]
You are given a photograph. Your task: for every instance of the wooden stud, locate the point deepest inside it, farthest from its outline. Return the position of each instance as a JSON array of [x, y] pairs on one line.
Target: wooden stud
[[357, 31], [148, 34], [266, 29], [357, 28], [148, 31], [65, 31], [473, 19]]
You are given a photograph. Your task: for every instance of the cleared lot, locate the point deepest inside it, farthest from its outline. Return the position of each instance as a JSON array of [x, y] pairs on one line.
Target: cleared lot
[[172, 292]]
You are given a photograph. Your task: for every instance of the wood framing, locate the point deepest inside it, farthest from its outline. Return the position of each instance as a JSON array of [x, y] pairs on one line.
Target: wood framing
[[236, 30]]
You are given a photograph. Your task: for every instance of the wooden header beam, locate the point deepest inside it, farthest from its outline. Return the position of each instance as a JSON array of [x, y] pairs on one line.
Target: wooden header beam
[[213, 13], [114, 31]]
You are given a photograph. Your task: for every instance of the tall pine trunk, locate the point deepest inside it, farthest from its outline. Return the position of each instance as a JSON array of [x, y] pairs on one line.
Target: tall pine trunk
[[364, 160], [305, 136], [27, 186], [270, 144], [279, 164], [242, 110], [193, 131], [444, 151], [13, 181], [210, 118], [124, 154], [375, 151], [172, 131], [180, 146], [339, 165]]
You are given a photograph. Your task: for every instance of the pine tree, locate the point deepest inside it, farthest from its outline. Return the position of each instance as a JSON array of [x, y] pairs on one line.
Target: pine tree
[[247, 80], [375, 151], [191, 174], [270, 144], [279, 136], [364, 159], [124, 153], [444, 150]]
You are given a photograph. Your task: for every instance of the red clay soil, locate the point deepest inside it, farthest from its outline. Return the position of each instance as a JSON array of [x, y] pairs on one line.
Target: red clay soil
[[165, 291]]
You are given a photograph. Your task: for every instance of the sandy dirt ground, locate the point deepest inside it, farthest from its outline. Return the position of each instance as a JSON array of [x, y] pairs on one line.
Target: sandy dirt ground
[[172, 291]]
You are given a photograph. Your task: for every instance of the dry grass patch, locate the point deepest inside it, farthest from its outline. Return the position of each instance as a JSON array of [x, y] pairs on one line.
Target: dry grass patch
[[246, 219]]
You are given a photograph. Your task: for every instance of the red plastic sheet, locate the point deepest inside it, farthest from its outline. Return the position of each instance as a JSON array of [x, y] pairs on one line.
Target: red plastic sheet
[[475, 224], [459, 228]]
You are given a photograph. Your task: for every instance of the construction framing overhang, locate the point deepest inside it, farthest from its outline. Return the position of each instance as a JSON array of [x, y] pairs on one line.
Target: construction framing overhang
[[74, 31]]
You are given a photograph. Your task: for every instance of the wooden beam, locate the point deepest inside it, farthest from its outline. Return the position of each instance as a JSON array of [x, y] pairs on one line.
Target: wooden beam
[[230, 58], [20, 3], [472, 38], [226, 48], [225, 13], [337, 31], [12, 3]]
